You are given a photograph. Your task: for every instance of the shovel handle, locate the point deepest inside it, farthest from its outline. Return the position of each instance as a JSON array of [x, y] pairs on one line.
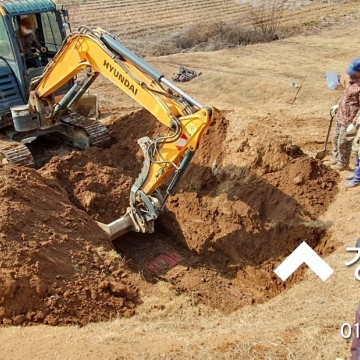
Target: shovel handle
[[328, 133]]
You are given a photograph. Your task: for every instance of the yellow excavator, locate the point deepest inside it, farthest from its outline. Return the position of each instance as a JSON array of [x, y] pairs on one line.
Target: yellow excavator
[[41, 100], [97, 52]]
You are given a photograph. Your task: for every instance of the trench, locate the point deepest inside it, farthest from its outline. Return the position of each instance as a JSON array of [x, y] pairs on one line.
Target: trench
[[226, 229], [243, 205]]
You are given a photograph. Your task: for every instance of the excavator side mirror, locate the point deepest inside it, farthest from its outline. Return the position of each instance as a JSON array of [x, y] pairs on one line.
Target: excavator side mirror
[[66, 28], [64, 12], [65, 17]]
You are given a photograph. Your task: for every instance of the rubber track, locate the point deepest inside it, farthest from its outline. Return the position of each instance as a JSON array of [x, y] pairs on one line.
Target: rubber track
[[98, 133], [16, 153]]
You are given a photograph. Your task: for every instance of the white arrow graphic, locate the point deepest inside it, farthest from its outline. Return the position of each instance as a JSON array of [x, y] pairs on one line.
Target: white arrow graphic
[[304, 254]]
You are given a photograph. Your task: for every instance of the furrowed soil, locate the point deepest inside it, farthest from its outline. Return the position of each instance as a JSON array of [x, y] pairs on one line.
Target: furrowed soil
[[155, 27]]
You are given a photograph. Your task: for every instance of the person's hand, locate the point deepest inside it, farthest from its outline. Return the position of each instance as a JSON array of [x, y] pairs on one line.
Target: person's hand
[[351, 129], [43, 49], [334, 109]]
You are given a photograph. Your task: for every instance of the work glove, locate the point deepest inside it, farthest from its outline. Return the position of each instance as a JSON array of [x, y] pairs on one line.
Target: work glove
[[351, 129], [334, 109]]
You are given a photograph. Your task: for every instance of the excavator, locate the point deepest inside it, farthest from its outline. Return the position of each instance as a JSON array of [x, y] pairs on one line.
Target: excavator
[[51, 27], [92, 51]]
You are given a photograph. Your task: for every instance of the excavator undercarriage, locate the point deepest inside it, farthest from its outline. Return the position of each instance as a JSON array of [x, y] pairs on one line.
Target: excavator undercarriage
[[12, 152], [76, 122], [73, 128]]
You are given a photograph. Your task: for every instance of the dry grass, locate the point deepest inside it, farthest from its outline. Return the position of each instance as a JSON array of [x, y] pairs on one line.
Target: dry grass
[[168, 27], [212, 36], [261, 23], [265, 17]]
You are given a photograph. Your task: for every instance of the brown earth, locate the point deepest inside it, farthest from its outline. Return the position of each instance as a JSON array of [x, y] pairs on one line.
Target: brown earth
[[175, 320], [252, 215], [98, 181], [242, 221], [54, 256], [57, 267]]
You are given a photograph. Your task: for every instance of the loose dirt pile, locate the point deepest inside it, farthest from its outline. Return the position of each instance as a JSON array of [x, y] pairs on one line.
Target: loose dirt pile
[[57, 267], [241, 221], [226, 229], [98, 181]]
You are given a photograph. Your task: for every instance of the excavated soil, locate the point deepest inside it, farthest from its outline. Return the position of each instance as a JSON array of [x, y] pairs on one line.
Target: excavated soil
[[237, 223], [57, 267], [98, 181], [224, 233]]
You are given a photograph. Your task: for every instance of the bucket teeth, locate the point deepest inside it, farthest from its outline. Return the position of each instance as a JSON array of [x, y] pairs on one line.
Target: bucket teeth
[[118, 227]]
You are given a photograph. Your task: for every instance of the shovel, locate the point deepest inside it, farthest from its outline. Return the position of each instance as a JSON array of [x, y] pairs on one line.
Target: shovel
[[321, 154]]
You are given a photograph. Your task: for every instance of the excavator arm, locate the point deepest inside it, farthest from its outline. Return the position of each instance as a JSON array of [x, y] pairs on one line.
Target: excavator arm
[[97, 52]]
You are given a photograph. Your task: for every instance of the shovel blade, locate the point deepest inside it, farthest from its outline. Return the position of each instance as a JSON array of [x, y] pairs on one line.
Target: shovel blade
[[321, 154]]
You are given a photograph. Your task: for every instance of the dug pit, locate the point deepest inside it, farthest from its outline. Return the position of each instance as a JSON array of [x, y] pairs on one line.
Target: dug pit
[[225, 230]]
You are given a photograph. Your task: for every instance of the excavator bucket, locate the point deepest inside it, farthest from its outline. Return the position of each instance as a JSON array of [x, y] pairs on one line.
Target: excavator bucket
[[118, 227], [87, 105]]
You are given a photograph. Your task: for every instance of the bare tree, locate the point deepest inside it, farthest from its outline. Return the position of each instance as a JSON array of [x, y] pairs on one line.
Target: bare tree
[[265, 17]]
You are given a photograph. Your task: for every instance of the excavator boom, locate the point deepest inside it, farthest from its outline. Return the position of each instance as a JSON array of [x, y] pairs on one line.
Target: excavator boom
[[97, 52]]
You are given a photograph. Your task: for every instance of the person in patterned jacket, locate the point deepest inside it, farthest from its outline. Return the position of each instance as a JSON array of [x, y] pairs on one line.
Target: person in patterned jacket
[[347, 114]]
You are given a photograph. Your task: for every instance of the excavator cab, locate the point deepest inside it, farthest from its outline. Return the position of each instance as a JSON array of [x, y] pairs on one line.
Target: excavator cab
[[50, 27], [50, 24]]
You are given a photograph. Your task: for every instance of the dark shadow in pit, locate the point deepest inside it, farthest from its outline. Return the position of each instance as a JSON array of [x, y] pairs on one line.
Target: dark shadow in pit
[[44, 148], [271, 226]]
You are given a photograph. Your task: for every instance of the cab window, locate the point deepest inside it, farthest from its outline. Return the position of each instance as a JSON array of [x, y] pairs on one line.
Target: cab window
[[5, 45], [47, 30], [51, 32]]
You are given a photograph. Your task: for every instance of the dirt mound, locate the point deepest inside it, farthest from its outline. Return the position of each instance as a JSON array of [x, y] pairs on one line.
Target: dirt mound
[[241, 230], [264, 148], [57, 267], [228, 226], [98, 181], [225, 232], [241, 221], [243, 217]]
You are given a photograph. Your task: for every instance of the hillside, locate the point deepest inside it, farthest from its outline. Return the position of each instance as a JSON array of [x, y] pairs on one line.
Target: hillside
[[143, 24]]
